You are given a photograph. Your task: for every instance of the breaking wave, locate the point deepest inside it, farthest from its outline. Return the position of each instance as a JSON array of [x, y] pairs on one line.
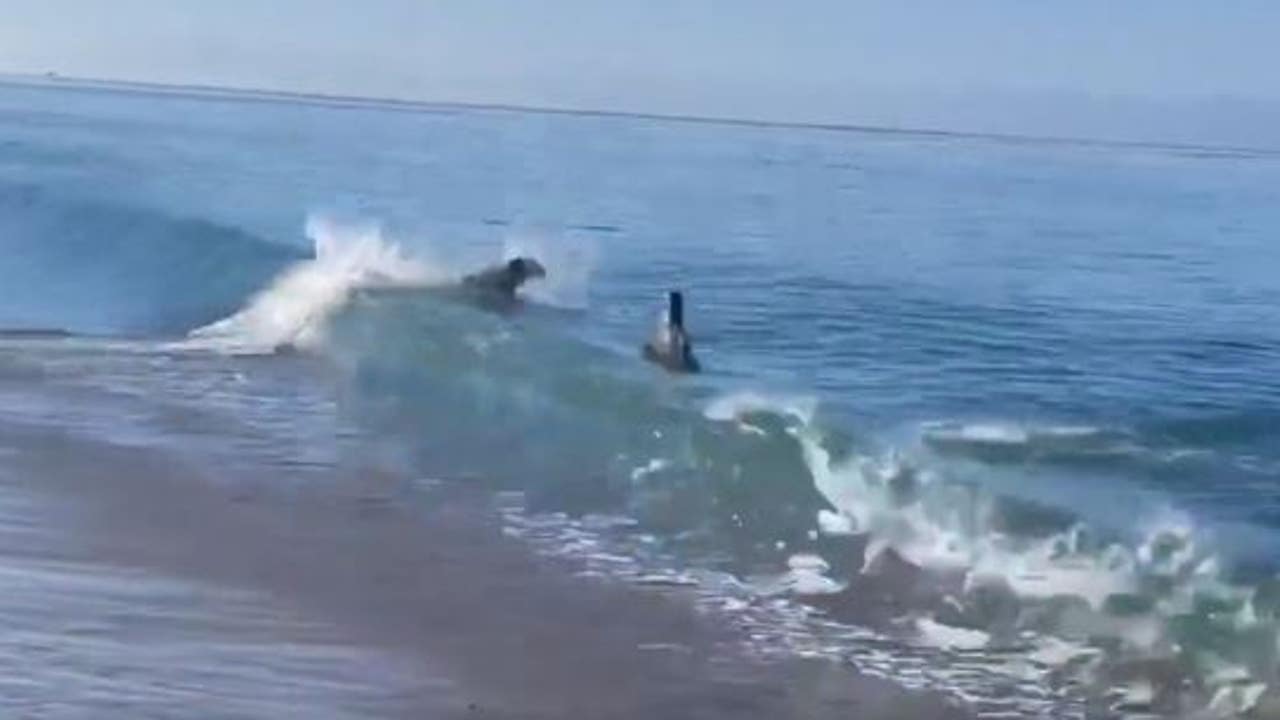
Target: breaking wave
[[1148, 618], [293, 311], [880, 535]]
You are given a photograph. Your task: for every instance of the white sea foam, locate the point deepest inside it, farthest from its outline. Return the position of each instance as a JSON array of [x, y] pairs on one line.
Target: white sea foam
[[1005, 432], [1019, 438], [293, 310], [1138, 594], [732, 407], [944, 636], [833, 523], [653, 466]]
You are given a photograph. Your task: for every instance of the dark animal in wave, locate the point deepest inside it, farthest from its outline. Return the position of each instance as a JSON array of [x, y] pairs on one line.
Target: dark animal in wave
[[499, 284]]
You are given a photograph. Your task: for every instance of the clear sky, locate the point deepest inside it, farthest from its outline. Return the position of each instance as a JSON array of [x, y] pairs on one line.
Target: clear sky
[[1168, 68]]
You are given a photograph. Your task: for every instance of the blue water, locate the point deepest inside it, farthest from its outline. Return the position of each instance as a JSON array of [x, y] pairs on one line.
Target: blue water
[[1093, 329]]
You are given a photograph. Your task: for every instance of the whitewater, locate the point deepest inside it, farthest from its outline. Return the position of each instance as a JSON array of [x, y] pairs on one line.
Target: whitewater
[[987, 428]]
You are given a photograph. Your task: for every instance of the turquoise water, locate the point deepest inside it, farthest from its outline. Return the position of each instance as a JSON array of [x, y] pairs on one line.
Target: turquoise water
[[1052, 364]]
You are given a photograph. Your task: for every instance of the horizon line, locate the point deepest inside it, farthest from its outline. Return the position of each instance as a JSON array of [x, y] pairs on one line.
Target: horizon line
[[200, 91]]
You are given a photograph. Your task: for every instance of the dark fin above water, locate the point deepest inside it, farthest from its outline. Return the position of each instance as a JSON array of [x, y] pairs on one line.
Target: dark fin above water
[[675, 353], [675, 309]]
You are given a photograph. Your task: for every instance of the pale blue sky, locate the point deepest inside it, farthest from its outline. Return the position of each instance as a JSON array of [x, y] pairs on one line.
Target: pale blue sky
[[1178, 68]]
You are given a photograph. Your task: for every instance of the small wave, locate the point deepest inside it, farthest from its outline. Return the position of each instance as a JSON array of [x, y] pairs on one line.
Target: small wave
[[1015, 442], [959, 568], [737, 406], [1155, 609], [602, 228], [1013, 433]]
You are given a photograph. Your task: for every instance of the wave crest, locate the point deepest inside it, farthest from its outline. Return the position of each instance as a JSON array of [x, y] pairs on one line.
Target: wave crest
[[957, 567], [292, 312]]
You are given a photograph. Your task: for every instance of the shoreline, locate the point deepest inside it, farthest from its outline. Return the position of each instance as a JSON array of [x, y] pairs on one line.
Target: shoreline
[[432, 583]]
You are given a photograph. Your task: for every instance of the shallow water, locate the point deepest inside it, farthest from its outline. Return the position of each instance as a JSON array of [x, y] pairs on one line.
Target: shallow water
[[1027, 392]]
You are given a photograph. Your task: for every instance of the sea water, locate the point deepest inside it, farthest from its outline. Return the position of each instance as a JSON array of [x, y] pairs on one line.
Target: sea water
[[1043, 376]]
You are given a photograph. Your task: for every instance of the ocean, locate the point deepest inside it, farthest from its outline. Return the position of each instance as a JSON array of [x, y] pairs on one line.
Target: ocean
[[988, 426]]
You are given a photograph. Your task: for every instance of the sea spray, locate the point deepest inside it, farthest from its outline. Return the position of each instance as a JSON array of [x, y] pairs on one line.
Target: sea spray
[[293, 310]]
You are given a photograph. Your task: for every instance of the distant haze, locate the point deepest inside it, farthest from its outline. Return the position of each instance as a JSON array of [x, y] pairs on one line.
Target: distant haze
[[1170, 70]]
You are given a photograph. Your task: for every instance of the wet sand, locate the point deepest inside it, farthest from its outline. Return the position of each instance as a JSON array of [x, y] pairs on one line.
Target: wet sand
[[419, 604]]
